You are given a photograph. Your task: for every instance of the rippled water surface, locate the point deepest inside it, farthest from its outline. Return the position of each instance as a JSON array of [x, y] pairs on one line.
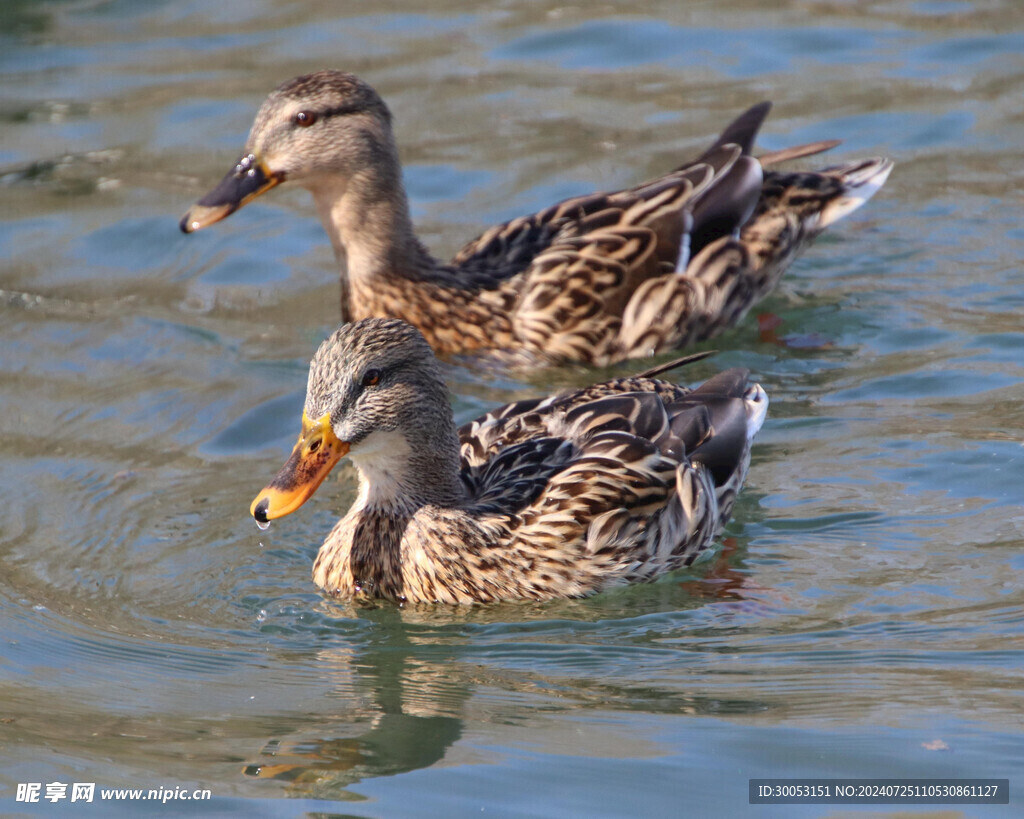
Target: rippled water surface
[[862, 618]]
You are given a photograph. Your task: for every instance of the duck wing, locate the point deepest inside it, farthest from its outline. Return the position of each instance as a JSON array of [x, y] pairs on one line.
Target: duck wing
[[614, 483]]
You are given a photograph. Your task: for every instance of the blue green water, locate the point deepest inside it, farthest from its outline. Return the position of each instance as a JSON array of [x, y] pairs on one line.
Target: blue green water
[[864, 615]]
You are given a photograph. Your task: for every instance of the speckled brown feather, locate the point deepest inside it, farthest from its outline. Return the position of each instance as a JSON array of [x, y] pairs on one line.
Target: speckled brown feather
[[596, 278], [556, 497]]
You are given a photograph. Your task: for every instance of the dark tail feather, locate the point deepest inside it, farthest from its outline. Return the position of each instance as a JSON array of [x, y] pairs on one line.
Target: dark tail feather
[[722, 397], [723, 449], [798, 151], [678, 362], [743, 130], [727, 206], [730, 383]]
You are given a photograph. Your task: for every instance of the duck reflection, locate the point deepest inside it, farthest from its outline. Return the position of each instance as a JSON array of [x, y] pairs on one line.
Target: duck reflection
[[403, 712], [405, 684]]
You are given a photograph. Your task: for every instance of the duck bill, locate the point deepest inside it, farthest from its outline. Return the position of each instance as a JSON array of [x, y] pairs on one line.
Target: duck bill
[[317, 451], [248, 179]]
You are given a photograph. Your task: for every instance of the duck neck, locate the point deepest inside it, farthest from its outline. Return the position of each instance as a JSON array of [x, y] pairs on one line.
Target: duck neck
[[366, 215], [398, 475], [396, 479]]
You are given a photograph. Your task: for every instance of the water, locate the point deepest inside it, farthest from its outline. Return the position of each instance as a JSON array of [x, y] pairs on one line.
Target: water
[[864, 614]]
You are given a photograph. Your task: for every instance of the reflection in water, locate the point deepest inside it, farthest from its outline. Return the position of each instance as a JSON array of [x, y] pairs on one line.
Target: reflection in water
[[402, 696], [724, 581], [404, 713]]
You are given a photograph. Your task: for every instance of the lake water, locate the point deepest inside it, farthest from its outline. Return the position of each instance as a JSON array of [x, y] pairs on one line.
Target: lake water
[[864, 615]]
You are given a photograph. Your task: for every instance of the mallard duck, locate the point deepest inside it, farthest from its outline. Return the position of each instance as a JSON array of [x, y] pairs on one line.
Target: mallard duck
[[593, 279], [556, 497]]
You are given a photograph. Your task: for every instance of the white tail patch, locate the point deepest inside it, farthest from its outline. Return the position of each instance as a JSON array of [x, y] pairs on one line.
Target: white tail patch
[[860, 184], [756, 400]]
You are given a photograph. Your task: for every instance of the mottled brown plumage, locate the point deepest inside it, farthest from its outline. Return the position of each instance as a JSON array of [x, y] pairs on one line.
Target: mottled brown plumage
[[556, 497], [596, 278]]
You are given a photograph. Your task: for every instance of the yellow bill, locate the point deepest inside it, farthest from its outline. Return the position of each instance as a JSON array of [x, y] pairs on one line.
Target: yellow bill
[[317, 451]]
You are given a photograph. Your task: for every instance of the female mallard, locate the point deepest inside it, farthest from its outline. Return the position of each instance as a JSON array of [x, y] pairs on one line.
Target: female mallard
[[595, 279], [554, 497]]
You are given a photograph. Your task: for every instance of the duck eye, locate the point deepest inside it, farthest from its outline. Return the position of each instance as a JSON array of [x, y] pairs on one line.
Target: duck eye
[[370, 378], [305, 118]]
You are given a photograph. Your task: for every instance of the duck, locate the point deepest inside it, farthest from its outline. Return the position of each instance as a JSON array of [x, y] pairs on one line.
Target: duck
[[556, 497], [594, 279]]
